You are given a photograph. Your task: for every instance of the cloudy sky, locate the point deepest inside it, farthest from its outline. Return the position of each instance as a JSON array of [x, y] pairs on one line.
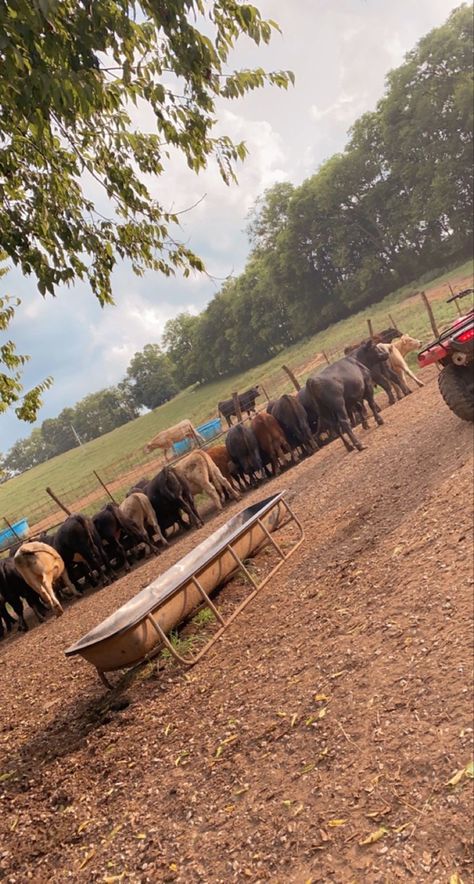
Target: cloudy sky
[[340, 53]]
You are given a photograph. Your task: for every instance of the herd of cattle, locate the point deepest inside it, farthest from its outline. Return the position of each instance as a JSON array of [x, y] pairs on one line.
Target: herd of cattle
[[83, 550]]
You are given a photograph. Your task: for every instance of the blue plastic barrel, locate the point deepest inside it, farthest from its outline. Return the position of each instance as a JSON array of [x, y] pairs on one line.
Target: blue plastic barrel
[[207, 431], [210, 429], [18, 529], [182, 447]]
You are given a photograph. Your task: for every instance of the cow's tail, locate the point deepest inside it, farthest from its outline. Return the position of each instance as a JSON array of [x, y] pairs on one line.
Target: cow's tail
[[93, 537], [126, 523]]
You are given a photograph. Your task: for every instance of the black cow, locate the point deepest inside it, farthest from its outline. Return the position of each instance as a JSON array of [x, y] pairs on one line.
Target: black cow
[[14, 591], [140, 485], [76, 538], [246, 402], [293, 420], [6, 620], [110, 524], [311, 410], [243, 450], [339, 390], [382, 373], [169, 496]]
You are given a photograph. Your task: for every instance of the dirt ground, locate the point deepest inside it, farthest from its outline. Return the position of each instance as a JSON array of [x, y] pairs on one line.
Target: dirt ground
[[326, 738]]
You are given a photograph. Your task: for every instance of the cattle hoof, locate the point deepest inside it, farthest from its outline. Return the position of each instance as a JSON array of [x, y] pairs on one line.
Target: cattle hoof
[[59, 611], [379, 421], [361, 447]]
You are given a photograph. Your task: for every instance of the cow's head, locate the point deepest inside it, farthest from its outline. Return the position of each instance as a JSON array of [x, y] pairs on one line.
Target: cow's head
[[372, 353], [408, 344]]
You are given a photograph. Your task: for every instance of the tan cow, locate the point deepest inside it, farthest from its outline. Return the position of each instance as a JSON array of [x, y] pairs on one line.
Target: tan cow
[[139, 510], [41, 566], [396, 351], [203, 476], [165, 439]]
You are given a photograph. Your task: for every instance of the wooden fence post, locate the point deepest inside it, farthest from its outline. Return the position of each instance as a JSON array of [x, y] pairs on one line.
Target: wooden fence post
[[394, 324], [264, 392], [371, 331], [430, 314], [235, 399], [56, 500], [104, 486], [456, 302], [326, 358], [292, 378]]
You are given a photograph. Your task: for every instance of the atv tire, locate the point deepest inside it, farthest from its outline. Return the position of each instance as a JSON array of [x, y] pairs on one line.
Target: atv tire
[[456, 384]]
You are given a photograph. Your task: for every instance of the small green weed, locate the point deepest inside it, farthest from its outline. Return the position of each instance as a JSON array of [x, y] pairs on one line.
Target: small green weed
[[203, 617]]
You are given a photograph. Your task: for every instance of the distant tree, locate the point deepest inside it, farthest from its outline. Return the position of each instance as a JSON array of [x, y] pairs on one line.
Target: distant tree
[[25, 453], [99, 413], [269, 215], [179, 340], [150, 375]]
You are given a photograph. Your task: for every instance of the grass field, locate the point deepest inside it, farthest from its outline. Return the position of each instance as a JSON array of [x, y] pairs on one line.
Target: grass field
[[116, 453]]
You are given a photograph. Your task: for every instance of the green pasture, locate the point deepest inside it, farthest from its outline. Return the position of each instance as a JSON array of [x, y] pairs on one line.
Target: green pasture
[[116, 453]]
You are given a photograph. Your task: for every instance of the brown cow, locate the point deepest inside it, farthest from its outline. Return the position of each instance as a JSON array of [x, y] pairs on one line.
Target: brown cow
[[40, 566], [202, 476], [220, 456], [271, 440]]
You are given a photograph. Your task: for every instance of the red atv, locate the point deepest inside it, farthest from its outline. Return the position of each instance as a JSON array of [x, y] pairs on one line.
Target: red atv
[[454, 350]]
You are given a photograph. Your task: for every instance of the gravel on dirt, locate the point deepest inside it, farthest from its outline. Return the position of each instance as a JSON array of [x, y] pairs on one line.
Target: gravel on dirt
[[327, 737]]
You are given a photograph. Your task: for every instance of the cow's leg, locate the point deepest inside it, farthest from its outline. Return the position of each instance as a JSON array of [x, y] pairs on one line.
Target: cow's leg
[[93, 563], [407, 371], [192, 513], [211, 492], [152, 531], [362, 411], [226, 487], [69, 584], [7, 618], [118, 552], [46, 592], [385, 384], [17, 604], [369, 396], [397, 381], [344, 426]]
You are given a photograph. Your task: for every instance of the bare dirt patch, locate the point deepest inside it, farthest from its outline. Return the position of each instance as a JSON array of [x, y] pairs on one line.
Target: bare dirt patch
[[336, 710]]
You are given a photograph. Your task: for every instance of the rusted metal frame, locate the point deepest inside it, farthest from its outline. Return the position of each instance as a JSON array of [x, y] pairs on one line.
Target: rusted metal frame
[[103, 678], [272, 539], [241, 565], [164, 638], [191, 661], [208, 601]]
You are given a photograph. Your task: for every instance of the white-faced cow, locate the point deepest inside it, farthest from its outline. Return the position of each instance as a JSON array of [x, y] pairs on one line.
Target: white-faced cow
[[399, 348]]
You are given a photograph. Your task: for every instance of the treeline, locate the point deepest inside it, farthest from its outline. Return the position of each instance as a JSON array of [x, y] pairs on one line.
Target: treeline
[[396, 203], [149, 382]]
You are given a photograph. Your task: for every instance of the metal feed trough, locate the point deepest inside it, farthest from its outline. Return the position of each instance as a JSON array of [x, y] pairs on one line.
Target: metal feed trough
[[139, 629]]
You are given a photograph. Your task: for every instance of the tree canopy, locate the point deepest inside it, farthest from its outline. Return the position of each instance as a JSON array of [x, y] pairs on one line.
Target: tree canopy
[[70, 74]]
